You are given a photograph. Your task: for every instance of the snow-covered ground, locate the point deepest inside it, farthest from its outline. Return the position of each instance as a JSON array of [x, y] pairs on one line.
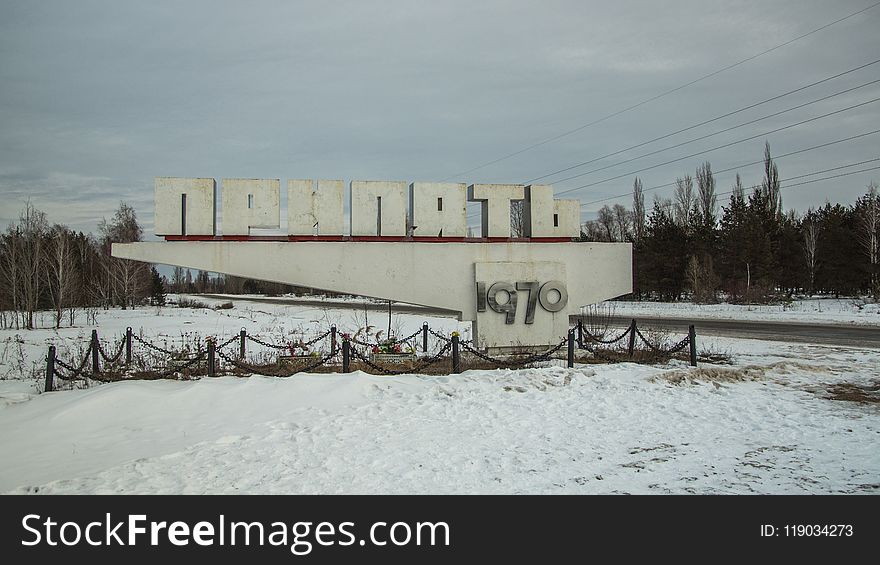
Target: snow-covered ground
[[765, 424], [812, 311], [23, 353]]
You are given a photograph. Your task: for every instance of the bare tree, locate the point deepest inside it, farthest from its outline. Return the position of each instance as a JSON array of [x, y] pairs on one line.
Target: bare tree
[[664, 204], [178, 279], [33, 226], [606, 220], [638, 213], [708, 202], [739, 191], [770, 184], [61, 270], [10, 270], [517, 218], [810, 229], [684, 200], [129, 279], [701, 279], [593, 231], [622, 222], [868, 234]]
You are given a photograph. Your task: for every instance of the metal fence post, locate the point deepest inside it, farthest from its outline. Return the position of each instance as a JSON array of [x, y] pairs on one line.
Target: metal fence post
[[50, 370], [580, 329], [346, 355], [128, 345], [211, 360], [456, 358], [94, 348], [692, 338], [425, 337], [632, 338], [570, 349], [333, 340], [242, 339]]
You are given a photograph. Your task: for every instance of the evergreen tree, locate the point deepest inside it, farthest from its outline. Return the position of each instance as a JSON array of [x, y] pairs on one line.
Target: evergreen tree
[[663, 256], [842, 268], [157, 288]]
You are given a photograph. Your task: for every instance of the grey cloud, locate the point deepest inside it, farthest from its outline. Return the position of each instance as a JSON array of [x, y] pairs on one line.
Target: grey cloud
[[99, 97]]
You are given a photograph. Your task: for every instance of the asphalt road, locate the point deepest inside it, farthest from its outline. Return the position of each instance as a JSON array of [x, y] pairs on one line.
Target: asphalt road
[[824, 334]]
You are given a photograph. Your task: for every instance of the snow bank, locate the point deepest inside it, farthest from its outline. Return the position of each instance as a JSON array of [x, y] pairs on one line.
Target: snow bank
[[599, 429]]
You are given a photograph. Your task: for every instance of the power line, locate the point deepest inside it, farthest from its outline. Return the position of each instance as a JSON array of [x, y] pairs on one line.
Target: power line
[[776, 158], [818, 173], [720, 146], [725, 130], [705, 122], [661, 95], [730, 144]]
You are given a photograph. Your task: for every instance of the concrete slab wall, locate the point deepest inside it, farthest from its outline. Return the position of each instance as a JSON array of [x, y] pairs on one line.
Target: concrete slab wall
[[365, 212], [431, 274], [540, 208], [491, 328], [200, 208], [495, 203], [250, 203], [256, 203], [438, 209], [308, 205]]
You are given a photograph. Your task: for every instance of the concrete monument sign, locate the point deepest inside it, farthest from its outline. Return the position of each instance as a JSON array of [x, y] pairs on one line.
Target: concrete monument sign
[[407, 243]]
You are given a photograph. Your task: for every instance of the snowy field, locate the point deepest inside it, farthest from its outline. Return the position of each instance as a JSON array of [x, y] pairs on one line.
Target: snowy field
[[782, 418], [811, 311]]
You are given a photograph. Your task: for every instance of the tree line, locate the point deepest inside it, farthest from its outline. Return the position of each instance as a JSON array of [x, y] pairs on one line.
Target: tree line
[[47, 266], [749, 251]]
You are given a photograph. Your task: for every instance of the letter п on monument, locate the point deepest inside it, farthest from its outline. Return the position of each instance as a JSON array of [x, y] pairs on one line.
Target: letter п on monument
[[250, 203], [378, 208], [184, 206]]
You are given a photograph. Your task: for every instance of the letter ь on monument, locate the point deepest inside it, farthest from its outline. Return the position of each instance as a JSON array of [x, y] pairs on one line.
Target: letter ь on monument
[[546, 217], [495, 206], [184, 206]]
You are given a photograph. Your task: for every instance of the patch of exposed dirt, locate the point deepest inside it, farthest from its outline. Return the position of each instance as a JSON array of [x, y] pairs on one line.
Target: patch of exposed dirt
[[721, 375], [849, 392]]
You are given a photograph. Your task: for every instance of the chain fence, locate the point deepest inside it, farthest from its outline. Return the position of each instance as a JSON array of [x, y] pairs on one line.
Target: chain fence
[[633, 332], [213, 360]]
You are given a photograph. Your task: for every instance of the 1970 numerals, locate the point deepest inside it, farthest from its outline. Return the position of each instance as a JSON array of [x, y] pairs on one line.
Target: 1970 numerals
[[537, 293]]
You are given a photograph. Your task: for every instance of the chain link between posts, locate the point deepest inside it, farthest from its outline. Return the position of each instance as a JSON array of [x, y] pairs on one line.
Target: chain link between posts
[[115, 356], [449, 340], [674, 349], [76, 373], [149, 345], [189, 363], [426, 362], [545, 356], [300, 344], [607, 341], [257, 370]]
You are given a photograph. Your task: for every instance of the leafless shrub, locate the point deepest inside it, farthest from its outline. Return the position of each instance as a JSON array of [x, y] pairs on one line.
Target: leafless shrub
[[598, 318]]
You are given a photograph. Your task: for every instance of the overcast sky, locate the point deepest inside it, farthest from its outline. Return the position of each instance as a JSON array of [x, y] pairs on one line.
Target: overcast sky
[[98, 98]]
